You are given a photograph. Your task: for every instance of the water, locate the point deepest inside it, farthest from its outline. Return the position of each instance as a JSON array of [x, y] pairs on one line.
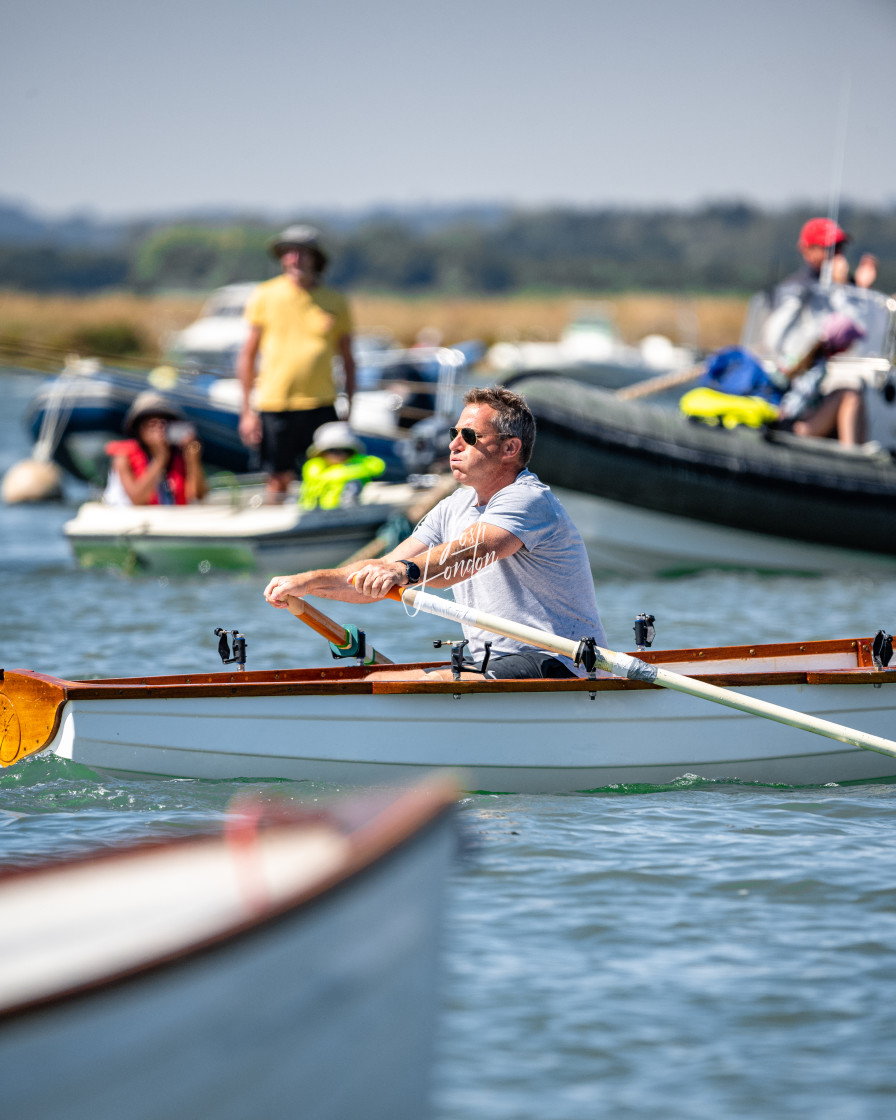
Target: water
[[690, 952]]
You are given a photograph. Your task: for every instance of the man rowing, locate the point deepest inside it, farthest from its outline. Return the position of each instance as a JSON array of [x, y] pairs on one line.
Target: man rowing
[[502, 542]]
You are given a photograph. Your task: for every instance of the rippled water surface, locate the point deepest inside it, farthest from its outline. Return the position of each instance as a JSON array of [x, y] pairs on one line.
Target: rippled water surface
[[695, 951]]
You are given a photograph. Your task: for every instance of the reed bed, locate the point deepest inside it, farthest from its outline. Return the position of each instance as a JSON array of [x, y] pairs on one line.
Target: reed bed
[[40, 330], [707, 322]]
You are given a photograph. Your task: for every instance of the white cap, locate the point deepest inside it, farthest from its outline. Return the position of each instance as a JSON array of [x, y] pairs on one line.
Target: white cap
[[335, 436]]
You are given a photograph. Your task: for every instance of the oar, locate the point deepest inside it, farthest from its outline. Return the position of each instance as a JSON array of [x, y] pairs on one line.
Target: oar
[[659, 384], [344, 639], [621, 665]]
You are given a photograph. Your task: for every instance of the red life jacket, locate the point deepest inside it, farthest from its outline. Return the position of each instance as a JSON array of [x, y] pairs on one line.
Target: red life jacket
[[176, 475]]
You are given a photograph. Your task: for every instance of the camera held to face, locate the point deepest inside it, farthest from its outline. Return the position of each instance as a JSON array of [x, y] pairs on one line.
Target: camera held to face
[[180, 433]]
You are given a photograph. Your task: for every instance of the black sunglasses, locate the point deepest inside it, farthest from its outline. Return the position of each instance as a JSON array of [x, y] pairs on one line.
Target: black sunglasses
[[469, 435]]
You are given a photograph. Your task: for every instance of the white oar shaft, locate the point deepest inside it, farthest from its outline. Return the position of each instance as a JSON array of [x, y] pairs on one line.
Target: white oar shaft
[[632, 668], [457, 612]]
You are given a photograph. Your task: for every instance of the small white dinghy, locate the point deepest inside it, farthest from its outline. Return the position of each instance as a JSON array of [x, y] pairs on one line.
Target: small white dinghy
[[284, 967], [223, 535]]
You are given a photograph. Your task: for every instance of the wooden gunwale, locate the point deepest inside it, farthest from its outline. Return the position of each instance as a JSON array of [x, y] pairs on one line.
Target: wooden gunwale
[[355, 679], [860, 647], [859, 675], [361, 680], [88, 690]]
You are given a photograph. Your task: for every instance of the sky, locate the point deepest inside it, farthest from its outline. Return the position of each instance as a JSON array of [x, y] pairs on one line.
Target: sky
[[117, 109]]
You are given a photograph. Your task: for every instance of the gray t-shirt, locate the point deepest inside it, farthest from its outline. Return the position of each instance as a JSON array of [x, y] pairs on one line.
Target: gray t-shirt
[[546, 584]]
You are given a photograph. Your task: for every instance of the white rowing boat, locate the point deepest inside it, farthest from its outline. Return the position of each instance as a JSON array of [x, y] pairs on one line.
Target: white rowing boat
[[278, 969], [343, 724]]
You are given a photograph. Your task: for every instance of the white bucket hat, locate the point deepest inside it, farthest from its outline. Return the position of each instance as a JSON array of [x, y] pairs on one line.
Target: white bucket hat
[[335, 436]]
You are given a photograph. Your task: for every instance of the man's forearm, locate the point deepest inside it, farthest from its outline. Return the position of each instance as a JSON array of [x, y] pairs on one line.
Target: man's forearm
[[245, 368], [349, 368], [246, 377], [325, 583], [443, 565]]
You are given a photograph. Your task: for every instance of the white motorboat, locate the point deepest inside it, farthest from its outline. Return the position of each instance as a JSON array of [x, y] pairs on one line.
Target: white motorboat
[[216, 337], [237, 531], [283, 967], [74, 416]]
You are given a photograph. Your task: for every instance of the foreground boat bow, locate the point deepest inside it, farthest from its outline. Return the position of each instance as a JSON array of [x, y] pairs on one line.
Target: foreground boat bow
[[245, 973]]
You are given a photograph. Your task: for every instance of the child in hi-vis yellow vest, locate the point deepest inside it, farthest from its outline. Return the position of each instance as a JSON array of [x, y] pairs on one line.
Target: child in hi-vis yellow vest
[[337, 468]]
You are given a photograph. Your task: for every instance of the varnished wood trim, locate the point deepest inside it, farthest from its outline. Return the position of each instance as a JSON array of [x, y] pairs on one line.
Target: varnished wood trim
[[859, 675], [30, 713], [100, 690], [603, 684], [286, 676], [860, 648]]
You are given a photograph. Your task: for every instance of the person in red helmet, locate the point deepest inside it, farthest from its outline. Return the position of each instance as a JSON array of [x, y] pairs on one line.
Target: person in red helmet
[[822, 239], [819, 403]]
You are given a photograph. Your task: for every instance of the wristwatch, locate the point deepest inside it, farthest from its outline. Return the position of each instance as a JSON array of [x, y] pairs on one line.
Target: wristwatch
[[412, 570]]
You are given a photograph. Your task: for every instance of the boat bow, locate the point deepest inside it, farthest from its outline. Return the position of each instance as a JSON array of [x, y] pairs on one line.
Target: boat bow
[[30, 713]]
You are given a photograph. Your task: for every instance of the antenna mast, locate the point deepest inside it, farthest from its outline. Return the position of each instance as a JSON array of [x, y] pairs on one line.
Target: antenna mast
[[837, 173]]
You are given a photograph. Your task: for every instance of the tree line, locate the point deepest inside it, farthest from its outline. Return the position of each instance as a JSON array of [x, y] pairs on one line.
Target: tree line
[[719, 247]]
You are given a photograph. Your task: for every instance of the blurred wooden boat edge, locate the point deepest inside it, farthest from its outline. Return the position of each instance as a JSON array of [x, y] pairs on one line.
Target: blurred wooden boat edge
[[234, 973]]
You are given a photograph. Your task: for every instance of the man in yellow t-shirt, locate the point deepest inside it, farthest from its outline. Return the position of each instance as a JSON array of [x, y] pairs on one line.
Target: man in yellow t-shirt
[[296, 327]]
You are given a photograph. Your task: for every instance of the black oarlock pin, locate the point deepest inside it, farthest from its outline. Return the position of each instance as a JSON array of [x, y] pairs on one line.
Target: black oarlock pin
[[645, 631], [238, 654]]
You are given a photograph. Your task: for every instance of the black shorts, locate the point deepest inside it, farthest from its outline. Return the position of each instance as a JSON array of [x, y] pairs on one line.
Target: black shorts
[[286, 437], [521, 666]]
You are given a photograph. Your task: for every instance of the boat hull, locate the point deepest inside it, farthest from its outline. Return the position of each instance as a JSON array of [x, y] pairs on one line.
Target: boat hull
[[207, 537], [86, 410], [293, 1003], [546, 743], [781, 487], [356, 726], [623, 539]]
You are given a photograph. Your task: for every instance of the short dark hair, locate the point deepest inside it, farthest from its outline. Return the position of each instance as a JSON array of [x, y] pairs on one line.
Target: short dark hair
[[513, 418]]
